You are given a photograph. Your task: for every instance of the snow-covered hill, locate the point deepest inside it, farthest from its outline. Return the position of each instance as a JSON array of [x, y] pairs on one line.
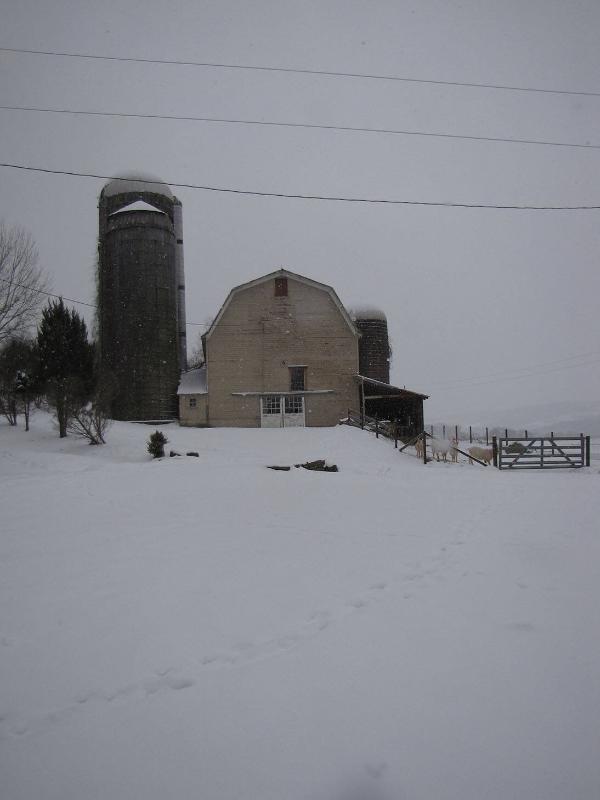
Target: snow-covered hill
[[208, 628]]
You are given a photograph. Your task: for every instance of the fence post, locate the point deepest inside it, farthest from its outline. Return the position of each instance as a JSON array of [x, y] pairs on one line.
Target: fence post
[[470, 435], [431, 426], [552, 437], [424, 438], [526, 436], [376, 427], [495, 450], [587, 451], [456, 433], [582, 441], [444, 431], [506, 433], [487, 436]]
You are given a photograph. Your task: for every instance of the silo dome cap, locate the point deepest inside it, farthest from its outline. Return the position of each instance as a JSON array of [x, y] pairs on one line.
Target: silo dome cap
[[367, 312], [136, 182]]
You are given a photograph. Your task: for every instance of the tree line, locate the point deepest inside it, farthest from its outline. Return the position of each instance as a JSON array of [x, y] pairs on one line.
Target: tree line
[[58, 365]]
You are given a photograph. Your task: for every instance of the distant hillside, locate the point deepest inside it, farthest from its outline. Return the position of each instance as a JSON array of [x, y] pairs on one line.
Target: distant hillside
[[565, 418]]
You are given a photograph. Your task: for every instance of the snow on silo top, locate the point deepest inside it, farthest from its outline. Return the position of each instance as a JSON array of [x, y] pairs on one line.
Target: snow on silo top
[[138, 205], [367, 312], [136, 182]]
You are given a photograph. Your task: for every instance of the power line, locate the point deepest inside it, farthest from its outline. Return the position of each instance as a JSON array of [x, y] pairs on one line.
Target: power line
[[509, 373], [290, 70], [364, 200], [467, 382], [520, 377], [70, 299], [48, 294], [305, 125]]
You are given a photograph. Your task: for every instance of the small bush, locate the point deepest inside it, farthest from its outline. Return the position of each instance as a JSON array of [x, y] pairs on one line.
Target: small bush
[[156, 444]]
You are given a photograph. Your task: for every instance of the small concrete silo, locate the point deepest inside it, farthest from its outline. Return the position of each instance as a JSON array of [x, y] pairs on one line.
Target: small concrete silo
[[141, 295], [374, 345]]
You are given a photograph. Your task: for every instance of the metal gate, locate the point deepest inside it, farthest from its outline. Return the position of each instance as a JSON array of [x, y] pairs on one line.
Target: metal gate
[[556, 452]]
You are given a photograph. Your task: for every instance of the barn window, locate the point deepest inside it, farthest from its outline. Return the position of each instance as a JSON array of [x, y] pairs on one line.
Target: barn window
[[193, 402], [297, 379], [294, 404], [271, 404], [281, 287]]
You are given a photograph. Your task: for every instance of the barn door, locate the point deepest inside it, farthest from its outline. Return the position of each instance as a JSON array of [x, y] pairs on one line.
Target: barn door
[[293, 411], [282, 411], [271, 411]]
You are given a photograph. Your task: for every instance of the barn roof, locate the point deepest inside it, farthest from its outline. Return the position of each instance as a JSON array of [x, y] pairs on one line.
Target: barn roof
[[284, 273]]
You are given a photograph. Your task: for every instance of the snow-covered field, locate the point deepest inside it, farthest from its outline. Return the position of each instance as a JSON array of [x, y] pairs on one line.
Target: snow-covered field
[[208, 628]]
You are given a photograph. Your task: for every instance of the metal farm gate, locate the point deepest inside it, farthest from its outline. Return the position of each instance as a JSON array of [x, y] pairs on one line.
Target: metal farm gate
[[555, 452]]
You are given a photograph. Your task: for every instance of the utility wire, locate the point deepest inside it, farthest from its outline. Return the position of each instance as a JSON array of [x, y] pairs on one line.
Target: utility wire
[[326, 73], [476, 381], [461, 382], [70, 299], [364, 200], [306, 125]]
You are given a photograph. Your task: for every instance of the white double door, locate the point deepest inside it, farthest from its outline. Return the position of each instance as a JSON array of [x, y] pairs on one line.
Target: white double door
[[282, 411]]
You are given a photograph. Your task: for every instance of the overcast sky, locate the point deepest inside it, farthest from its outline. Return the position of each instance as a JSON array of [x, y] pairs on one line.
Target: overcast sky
[[471, 295]]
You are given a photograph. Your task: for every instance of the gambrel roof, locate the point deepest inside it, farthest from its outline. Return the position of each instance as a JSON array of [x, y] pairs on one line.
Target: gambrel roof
[[284, 273]]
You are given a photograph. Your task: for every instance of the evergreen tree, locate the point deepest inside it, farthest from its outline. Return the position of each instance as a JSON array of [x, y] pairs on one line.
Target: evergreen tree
[[18, 379], [66, 361]]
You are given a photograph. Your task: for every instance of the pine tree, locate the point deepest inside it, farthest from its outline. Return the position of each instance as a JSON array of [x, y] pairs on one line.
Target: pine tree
[[66, 361]]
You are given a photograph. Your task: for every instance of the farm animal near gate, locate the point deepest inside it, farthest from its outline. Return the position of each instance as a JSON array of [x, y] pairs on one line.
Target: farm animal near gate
[[441, 447], [481, 454]]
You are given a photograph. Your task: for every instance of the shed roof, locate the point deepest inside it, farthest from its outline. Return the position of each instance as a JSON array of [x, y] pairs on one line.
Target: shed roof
[[392, 389], [193, 382]]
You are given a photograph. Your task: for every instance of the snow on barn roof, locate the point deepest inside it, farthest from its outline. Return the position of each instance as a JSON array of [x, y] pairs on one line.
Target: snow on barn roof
[[193, 382], [367, 312], [136, 182], [138, 205]]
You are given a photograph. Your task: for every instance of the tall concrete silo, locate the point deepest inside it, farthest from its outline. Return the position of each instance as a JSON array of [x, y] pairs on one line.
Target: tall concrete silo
[[141, 295], [374, 344]]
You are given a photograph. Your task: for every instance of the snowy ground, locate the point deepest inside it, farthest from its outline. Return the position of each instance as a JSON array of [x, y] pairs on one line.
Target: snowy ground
[[209, 628]]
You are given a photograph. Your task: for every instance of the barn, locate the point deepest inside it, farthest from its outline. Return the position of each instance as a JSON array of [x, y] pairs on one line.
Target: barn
[[283, 351]]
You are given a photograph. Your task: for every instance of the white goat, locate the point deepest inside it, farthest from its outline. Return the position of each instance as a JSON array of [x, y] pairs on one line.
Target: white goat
[[482, 454], [454, 451], [419, 448], [441, 447]]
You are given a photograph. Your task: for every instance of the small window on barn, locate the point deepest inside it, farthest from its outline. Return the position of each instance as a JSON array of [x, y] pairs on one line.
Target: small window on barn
[[281, 287], [297, 379], [271, 404], [193, 402]]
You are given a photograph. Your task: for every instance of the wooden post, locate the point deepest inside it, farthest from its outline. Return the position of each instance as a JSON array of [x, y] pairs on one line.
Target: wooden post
[[487, 436], [470, 435], [431, 426], [582, 441], [376, 427], [456, 433], [526, 436], [424, 438], [552, 437], [495, 450], [587, 451], [396, 437], [506, 433], [444, 431]]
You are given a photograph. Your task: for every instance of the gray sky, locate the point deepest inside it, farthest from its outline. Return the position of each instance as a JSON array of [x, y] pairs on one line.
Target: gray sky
[[468, 293]]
